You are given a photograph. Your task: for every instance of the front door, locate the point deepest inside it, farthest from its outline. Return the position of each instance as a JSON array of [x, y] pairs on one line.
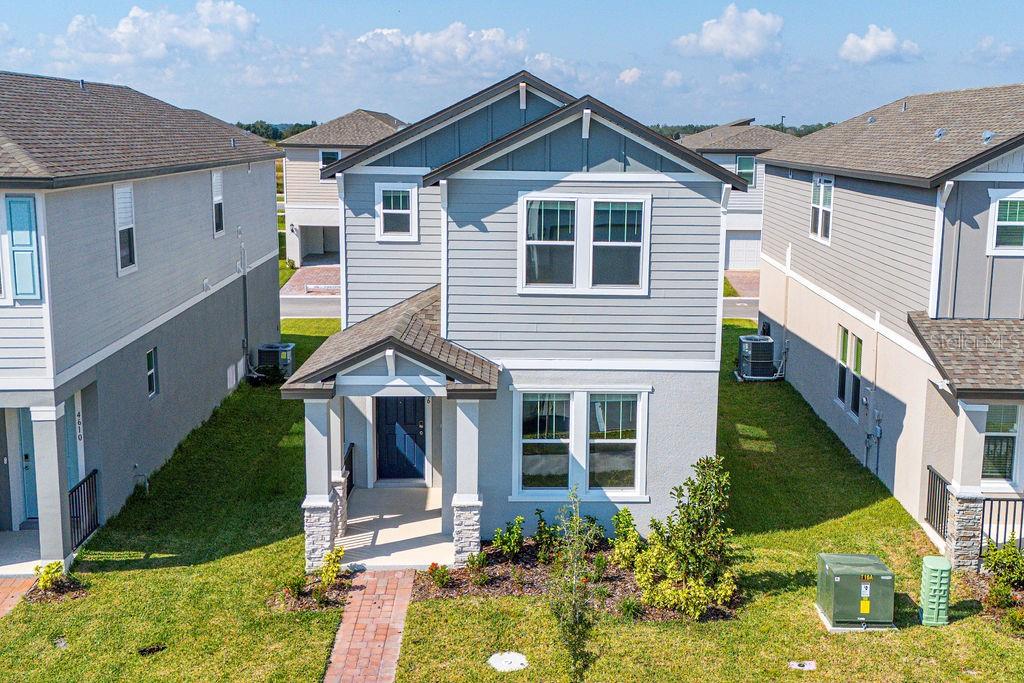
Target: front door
[[401, 437], [28, 462]]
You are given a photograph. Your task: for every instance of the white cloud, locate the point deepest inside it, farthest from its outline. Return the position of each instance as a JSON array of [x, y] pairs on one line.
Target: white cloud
[[734, 35], [630, 76], [876, 44], [672, 79], [989, 51], [735, 79]]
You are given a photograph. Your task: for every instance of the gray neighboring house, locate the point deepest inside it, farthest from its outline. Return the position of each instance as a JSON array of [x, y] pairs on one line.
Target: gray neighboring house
[[893, 271], [734, 146], [132, 233], [531, 303], [311, 204]]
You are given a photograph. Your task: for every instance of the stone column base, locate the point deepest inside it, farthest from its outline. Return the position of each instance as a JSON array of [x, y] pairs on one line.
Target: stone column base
[[963, 530], [321, 525], [341, 495], [466, 535]]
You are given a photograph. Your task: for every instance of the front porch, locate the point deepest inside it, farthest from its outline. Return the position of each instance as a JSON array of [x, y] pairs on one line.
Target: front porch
[[395, 528], [19, 553]]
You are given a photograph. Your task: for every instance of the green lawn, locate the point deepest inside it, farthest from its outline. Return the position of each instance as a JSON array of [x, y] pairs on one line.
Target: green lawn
[[728, 289], [192, 564], [796, 492], [284, 271]]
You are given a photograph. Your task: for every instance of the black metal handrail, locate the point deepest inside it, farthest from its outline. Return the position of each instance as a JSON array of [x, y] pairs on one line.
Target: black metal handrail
[[348, 469], [937, 505], [1001, 520], [82, 506]]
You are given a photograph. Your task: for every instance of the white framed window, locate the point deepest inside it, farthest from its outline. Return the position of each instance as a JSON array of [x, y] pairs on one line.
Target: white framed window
[[584, 244], [849, 364], [1006, 222], [152, 373], [124, 228], [822, 187], [396, 216], [328, 157], [590, 439], [1002, 434], [217, 182], [746, 169]]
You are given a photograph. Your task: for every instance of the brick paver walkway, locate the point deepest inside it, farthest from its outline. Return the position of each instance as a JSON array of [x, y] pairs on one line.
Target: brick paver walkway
[[367, 645], [317, 276], [746, 282], [11, 591]]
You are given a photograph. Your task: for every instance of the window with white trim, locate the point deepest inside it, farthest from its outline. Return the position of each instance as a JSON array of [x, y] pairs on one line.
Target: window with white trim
[[745, 168], [217, 182], [611, 456], [124, 225], [849, 363], [152, 373], [396, 212], [545, 441], [584, 244], [1002, 425], [1006, 222], [822, 187], [328, 157]]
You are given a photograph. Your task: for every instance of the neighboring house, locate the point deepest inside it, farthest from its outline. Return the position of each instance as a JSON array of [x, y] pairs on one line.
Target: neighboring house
[[735, 146], [131, 232], [532, 304], [893, 272], [311, 204]]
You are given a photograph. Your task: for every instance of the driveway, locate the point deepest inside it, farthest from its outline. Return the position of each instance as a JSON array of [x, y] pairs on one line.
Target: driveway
[[746, 282], [312, 292]]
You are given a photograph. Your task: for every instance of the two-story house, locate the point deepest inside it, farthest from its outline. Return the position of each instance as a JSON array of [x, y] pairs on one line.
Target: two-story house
[[137, 275], [734, 146], [311, 203], [531, 305], [892, 279]]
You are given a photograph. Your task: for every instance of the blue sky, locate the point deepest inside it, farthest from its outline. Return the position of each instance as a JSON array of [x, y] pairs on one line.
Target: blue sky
[[669, 62]]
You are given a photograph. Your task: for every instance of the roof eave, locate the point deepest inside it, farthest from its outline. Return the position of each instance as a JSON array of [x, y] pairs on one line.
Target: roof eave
[[913, 181], [307, 390], [322, 145], [116, 176]]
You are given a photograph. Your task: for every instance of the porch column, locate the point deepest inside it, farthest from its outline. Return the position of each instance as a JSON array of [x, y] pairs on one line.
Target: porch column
[[320, 510], [466, 502], [51, 484], [963, 522], [336, 444]]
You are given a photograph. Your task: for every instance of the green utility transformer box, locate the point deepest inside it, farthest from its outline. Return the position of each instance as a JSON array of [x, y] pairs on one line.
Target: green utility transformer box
[[935, 574], [854, 591]]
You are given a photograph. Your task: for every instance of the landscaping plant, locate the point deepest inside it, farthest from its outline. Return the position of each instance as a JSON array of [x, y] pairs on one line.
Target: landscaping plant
[[546, 539], [1000, 594], [331, 568], [687, 562], [627, 543], [631, 608], [439, 574], [477, 566], [1015, 619], [510, 539], [600, 567], [570, 592], [50, 577], [1006, 563]]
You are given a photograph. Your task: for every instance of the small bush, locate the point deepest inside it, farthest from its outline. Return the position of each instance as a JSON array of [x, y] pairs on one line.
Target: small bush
[[546, 539], [1000, 595], [331, 568], [627, 542], [439, 574], [1015, 619], [600, 568], [594, 532], [477, 566], [509, 541], [295, 585], [631, 608], [51, 576], [518, 578], [290, 263], [1006, 563], [602, 593]]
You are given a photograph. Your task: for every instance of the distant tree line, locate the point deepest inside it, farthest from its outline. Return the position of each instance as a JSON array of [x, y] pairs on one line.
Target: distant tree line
[[674, 131], [275, 131]]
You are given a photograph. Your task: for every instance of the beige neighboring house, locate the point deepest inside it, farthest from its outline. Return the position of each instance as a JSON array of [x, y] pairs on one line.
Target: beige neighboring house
[[311, 204], [735, 146]]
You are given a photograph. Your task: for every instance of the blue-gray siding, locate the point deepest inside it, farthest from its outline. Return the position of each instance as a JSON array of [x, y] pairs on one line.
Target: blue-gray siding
[[22, 341]]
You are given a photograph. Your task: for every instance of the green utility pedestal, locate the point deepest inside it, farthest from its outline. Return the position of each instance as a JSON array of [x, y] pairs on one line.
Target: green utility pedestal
[[935, 575]]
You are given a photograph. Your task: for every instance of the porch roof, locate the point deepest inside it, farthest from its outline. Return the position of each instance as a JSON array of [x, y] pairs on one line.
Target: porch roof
[[410, 327]]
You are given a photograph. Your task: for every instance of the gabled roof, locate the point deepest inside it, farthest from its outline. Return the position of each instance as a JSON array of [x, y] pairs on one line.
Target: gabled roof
[[738, 136], [897, 142], [981, 359], [445, 114], [357, 128], [569, 112], [412, 328], [56, 132]]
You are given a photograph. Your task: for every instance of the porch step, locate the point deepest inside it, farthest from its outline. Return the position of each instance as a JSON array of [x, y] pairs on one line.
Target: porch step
[[29, 525]]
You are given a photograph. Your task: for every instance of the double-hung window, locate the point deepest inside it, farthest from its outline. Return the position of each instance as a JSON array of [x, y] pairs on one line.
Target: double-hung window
[[1001, 432], [152, 373], [328, 157], [821, 207], [124, 224], [849, 363], [745, 166], [1006, 223], [545, 441], [396, 212], [217, 181], [611, 458], [584, 244]]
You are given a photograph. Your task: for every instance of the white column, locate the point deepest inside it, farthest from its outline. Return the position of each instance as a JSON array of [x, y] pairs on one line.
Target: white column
[[968, 448], [466, 502], [320, 513], [51, 484], [336, 442]]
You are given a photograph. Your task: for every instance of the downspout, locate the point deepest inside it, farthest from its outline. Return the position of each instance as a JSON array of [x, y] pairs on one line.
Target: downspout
[[244, 265]]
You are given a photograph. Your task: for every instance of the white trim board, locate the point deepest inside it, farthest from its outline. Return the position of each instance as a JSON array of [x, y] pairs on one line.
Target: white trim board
[[387, 170], [581, 176], [627, 364]]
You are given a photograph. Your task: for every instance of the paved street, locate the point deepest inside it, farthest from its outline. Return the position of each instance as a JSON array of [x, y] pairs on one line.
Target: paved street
[[310, 307]]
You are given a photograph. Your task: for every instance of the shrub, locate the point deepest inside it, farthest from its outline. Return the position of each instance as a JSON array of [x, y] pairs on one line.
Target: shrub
[[439, 574], [477, 564], [509, 541], [546, 539], [600, 567], [595, 532], [1006, 563], [518, 578], [1015, 619], [331, 568], [631, 608], [602, 593], [51, 576], [1000, 594], [295, 585], [687, 562], [627, 542]]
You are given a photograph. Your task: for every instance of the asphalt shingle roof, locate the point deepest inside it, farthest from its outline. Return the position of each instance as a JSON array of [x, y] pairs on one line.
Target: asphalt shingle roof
[[358, 128], [900, 144], [979, 358], [57, 131], [738, 136]]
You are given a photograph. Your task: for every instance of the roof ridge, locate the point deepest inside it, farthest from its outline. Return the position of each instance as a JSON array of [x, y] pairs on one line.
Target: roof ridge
[[23, 74]]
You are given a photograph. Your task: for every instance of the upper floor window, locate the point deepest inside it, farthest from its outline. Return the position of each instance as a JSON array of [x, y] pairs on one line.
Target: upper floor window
[[396, 212], [124, 224], [849, 362], [745, 169], [583, 244], [217, 178], [821, 207], [1001, 427], [152, 373], [1006, 222], [328, 157]]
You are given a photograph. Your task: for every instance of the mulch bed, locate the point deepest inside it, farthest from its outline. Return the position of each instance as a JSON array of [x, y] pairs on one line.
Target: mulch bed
[[526, 576], [68, 588], [286, 600]]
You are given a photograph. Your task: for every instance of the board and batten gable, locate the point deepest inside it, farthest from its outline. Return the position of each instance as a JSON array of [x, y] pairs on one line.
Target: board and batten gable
[[176, 251], [880, 254], [381, 274], [677, 319]]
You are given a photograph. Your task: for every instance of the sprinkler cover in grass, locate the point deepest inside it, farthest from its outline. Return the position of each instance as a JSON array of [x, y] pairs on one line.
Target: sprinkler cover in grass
[[507, 661]]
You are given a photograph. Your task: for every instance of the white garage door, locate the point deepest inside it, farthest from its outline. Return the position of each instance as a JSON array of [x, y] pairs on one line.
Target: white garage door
[[742, 248]]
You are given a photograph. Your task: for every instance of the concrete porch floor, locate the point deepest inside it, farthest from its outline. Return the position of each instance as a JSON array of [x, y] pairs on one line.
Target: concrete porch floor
[[396, 528], [19, 553]]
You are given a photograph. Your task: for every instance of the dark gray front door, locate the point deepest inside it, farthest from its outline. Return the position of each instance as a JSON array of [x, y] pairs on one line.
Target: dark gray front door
[[401, 437]]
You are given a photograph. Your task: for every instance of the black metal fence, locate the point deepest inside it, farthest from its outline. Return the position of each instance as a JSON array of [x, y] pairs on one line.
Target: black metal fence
[[937, 508], [348, 469], [1001, 520], [82, 503]]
